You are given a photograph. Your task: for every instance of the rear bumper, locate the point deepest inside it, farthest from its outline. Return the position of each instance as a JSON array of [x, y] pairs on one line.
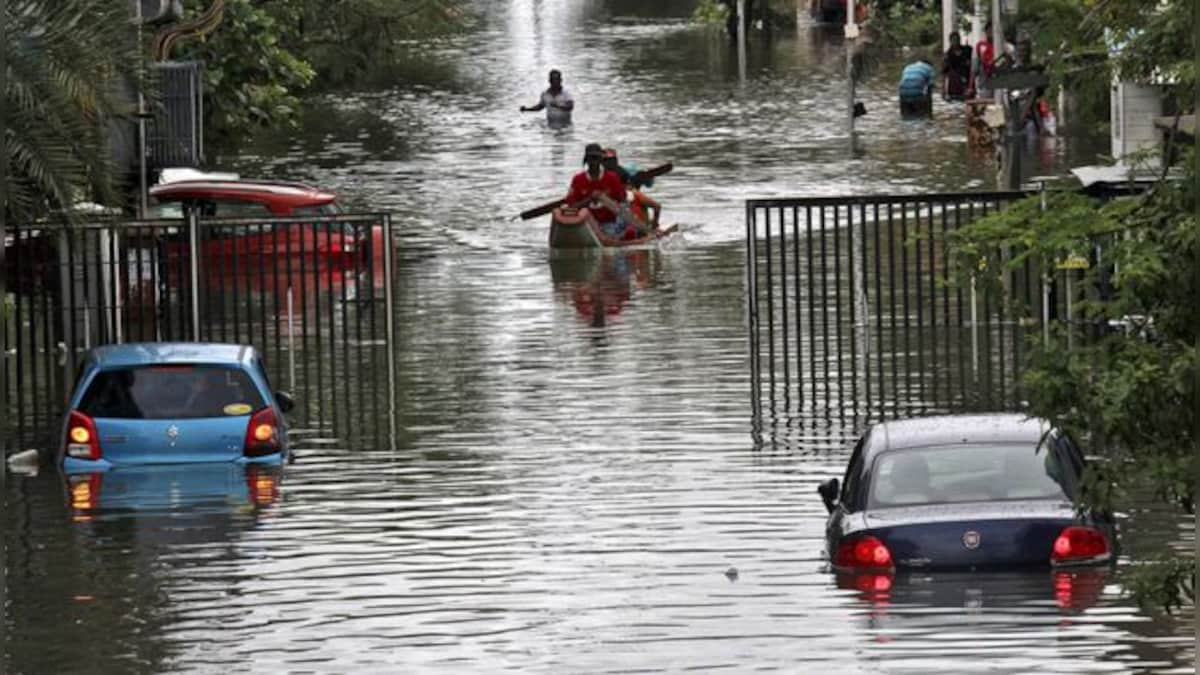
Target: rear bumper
[[72, 465]]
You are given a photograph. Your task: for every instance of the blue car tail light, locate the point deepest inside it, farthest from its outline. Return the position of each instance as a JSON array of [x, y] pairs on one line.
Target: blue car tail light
[[863, 552], [82, 440], [262, 434], [1080, 544]]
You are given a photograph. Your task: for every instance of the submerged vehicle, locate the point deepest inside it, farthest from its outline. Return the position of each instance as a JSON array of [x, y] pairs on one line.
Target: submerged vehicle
[[172, 403], [228, 196], [963, 492]]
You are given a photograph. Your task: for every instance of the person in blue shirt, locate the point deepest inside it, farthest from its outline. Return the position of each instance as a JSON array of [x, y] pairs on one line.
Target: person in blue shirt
[[916, 89]]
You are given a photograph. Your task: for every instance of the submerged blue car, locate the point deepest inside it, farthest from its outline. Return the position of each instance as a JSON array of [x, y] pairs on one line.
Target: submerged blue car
[[962, 492], [172, 403]]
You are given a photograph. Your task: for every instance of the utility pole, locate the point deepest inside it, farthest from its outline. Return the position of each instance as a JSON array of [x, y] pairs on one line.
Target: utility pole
[[143, 178], [948, 23], [741, 39], [851, 35]]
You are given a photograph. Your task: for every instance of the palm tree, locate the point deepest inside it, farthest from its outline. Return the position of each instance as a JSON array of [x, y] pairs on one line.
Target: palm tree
[[70, 67]]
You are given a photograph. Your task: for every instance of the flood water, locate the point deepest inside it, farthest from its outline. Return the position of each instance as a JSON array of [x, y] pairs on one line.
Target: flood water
[[573, 482]]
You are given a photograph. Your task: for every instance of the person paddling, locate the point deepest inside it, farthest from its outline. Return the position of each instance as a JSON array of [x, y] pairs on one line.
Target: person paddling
[[643, 210], [601, 191], [557, 103]]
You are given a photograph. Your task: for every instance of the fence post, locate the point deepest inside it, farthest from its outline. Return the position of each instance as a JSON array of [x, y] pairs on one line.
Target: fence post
[[291, 336], [862, 329], [389, 326], [193, 234], [974, 332], [1045, 288]]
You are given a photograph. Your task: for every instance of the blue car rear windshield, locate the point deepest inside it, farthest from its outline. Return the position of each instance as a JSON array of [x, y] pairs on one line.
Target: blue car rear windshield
[[966, 473], [171, 392]]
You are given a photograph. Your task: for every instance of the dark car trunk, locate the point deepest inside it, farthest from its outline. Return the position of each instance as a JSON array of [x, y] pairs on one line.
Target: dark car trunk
[[971, 535]]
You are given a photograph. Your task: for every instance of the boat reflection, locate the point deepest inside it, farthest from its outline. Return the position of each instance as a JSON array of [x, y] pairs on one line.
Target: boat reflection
[[1068, 590], [171, 490], [600, 286]]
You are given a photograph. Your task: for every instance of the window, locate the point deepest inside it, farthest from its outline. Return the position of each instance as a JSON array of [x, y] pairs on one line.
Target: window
[[166, 210], [850, 483], [237, 208], [170, 392], [330, 209], [967, 473]]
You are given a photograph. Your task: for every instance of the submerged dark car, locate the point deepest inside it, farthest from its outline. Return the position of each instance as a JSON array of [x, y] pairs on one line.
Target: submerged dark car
[[962, 492]]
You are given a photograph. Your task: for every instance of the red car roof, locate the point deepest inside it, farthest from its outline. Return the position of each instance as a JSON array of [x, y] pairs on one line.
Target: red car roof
[[276, 194]]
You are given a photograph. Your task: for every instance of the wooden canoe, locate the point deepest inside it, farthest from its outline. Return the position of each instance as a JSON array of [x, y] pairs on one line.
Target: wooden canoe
[[576, 229]]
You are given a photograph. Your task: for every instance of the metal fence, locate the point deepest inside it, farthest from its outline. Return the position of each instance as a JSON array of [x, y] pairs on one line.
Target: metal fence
[[314, 297], [853, 308]]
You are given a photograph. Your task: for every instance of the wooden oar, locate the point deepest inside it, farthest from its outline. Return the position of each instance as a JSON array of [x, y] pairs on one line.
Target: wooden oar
[[639, 176], [543, 209], [643, 176]]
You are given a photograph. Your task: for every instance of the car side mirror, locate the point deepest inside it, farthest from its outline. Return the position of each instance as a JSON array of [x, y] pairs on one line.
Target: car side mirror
[[285, 401], [829, 493]]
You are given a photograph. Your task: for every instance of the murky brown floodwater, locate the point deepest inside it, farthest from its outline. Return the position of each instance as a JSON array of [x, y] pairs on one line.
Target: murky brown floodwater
[[573, 485]]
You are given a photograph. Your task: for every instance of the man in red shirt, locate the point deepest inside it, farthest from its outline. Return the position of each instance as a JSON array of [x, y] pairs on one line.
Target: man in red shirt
[[600, 190], [985, 59]]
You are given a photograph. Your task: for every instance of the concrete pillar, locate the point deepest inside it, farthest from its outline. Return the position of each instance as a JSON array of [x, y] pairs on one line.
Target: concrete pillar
[[741, 39], [851, 35], [949, 24]]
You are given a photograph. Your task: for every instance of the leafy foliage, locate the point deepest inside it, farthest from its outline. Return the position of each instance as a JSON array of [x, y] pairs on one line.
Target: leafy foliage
[[266, 54], [710, 12], [1123, 373], [71, 66], [251, 77]]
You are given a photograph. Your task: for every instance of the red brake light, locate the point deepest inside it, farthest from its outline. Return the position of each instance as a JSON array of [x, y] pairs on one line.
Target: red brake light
[[1080, 544], [262, 434], [82, 440], [863, 552]]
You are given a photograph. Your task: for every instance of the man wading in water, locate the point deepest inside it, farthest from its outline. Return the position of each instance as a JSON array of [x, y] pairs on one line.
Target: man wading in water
[[556, 101]]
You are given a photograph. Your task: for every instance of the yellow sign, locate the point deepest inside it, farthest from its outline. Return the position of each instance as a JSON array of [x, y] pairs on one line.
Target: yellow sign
[[1073, 262], [237, 409]]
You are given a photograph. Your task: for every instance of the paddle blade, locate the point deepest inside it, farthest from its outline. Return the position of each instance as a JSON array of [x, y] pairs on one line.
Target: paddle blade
[[541, 210], [643, 176]]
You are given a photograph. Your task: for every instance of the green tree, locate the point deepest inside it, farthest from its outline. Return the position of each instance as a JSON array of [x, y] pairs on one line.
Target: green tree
[[1131, 392], [266, 54], [253, 74], [70, 67]]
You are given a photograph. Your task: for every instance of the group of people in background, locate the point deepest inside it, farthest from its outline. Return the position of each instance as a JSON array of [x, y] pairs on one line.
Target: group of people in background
[[967, 74]]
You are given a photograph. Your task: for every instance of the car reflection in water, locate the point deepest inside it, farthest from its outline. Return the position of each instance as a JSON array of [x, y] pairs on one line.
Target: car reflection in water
[[600, 286], [1069, 590], [173, 491]]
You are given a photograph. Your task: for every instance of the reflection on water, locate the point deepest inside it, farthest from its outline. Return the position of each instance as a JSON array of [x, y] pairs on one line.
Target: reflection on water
[[573, 485]]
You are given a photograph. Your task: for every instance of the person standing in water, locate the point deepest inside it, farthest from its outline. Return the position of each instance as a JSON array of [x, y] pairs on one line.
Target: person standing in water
[[557, 103], [956, 69]]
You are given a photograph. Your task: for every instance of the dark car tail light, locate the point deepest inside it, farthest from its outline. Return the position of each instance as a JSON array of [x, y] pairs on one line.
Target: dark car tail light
[[863, 552], [82, 440], [1080, 544], [262, 436]]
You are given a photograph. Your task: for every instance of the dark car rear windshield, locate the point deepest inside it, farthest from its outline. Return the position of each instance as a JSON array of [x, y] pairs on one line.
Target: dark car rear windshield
[[171, 392], [966, 473]]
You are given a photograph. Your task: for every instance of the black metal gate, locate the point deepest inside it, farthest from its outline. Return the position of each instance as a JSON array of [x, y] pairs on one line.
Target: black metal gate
[[314, 297], [852, 311]]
